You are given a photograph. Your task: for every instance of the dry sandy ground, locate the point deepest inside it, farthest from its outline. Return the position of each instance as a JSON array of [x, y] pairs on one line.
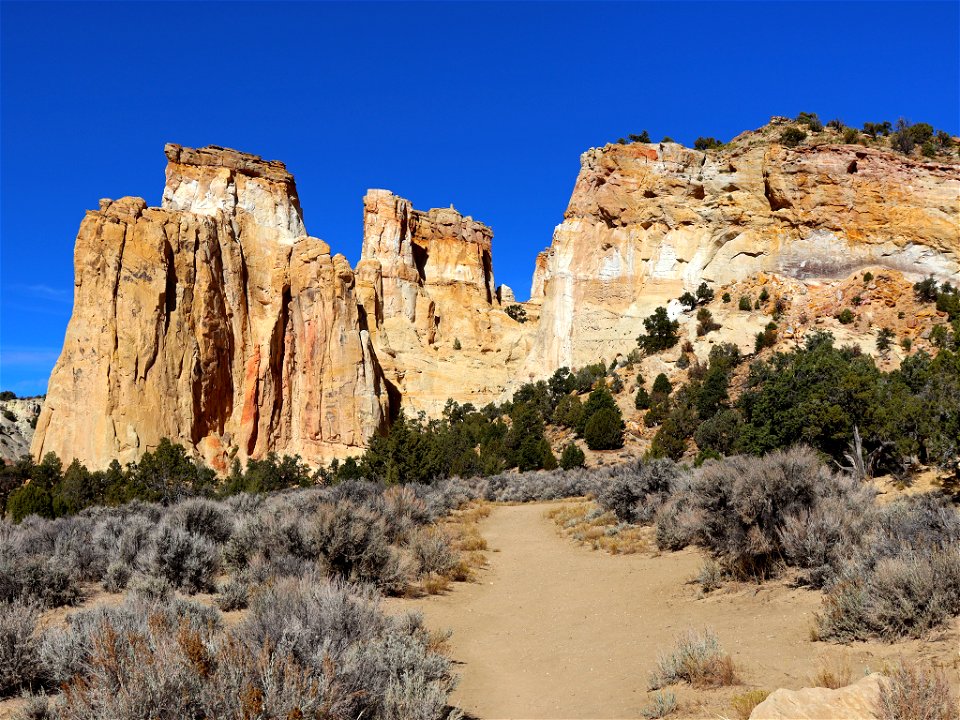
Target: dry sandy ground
[[555, 630]]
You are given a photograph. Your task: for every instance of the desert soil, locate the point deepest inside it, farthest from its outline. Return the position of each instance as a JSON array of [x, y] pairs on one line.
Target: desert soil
[[555, 630]]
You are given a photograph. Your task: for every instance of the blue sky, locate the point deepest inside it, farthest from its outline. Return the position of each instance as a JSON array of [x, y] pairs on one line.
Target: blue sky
[[487, 106]]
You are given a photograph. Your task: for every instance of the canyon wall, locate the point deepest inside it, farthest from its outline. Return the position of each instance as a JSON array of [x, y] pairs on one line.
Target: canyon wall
[[217, 321], [213, 320], [647, 222]]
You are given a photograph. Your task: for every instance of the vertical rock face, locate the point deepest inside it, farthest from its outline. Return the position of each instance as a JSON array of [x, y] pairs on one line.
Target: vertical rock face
[[648, 221], [213, 320], [425, 282]]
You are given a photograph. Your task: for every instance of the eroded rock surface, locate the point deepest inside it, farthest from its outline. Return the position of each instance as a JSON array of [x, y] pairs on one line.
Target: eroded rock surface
[[854, 702], [217, 321], [213, 320], [647, 222]]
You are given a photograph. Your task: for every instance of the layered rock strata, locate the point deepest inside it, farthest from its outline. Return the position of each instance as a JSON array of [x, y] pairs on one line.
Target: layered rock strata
[[425, 281], [217, 321], [647, 222], [213, 320]]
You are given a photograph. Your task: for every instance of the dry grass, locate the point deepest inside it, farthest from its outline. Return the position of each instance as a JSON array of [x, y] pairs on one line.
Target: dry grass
[[698, 659], [916, 692], [832, 673], [588, 524], [744, 703], [462, 530], [434, 584]]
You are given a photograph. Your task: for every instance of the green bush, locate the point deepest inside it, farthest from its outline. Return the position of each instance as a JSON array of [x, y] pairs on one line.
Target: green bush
[[29, 500], [568, 412], [767, 338], [874, 129], [604, 430], [662, 332], [670, 440], [745, 304], [791, 137], [850, 136], [725, 297], [598, 400], [517, 312], [572, 457], [643, 137], [845, 316], [707, 143], [811, 120]]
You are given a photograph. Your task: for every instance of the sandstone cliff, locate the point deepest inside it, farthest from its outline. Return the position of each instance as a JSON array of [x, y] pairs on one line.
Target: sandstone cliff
[[17, 419], [648, 221], [217, 321], [426, 285], [213, 320]]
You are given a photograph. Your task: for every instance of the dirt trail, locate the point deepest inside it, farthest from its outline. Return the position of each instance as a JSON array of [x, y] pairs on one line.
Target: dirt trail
[[554, 630]]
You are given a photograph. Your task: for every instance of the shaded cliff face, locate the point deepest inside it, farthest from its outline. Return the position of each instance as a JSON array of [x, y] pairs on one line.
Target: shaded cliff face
[[648, 221], [214, 321]]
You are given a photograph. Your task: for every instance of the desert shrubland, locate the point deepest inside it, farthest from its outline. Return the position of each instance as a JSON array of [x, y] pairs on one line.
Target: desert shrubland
[[697, 658], [308, 648]]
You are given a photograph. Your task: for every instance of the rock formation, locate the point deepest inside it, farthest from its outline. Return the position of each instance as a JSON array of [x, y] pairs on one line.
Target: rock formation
[[213, 320], [17, 419], [648, 221], [217, 321], [853, 702], [425, 281]]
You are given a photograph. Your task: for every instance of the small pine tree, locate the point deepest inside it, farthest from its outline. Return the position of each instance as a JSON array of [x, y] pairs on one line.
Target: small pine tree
[[572, 457], [746, 304], [642, 400], [662, 332], [688, 300], [884, 339], [604, 430], [704, 294], [456, 344], [662, 385]]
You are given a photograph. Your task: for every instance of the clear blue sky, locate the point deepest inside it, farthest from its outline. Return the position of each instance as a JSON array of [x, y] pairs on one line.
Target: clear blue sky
[[487, 106]]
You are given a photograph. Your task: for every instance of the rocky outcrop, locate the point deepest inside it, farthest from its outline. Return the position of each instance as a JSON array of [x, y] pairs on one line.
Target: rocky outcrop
[[217, 321], [213, 320], [648, 221], [18, 416], [853, 702], [425, 282]]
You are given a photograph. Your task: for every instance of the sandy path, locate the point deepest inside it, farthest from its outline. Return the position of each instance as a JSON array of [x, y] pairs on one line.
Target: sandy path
[[554, 630]]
